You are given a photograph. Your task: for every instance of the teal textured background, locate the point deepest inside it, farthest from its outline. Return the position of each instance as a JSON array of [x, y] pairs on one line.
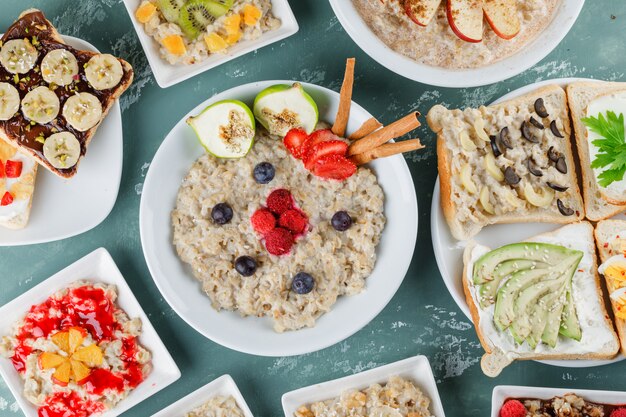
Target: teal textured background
[[421, 319]]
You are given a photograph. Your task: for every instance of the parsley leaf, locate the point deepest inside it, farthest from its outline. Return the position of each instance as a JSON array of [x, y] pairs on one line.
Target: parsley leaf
[[611, 146]]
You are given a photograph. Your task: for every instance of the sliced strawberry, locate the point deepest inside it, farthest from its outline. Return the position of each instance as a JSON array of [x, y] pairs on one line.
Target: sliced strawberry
[[317, 137], [331, 147], [1, 170], [334, 167], [7, 199], [13, 169], [293, 141]]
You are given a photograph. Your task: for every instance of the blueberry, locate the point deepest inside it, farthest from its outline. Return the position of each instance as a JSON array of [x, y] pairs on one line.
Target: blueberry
[[341, 221], [245, 265], [222, 213], [302, 283], [264, 172]]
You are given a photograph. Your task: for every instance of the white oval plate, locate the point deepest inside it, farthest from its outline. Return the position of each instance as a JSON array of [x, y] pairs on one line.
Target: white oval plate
[[449, 251], [64, 208], [528, 56], [255, 335]]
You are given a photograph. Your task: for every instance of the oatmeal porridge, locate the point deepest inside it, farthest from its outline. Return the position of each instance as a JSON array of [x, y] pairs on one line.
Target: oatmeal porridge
[[398, 397], [437, 45], [569, 405], [217, 406]]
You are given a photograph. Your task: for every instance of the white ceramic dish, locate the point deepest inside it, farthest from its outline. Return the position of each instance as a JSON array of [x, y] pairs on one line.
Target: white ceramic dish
[[167, 75], [449, 251], [223, 386], [67, 207], [416, 369], [528, 56], [503, 392], [98, 266], [255, 335]]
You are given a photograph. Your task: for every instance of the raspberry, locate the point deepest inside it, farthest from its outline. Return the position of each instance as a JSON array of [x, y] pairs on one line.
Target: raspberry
[[294, 220], [619, 412], [263, 221], [279, 201], [513, 408], [278, 241]]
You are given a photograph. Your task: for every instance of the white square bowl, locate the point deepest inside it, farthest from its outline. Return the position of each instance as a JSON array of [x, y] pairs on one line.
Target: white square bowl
[[416, 369], [167, 74], [502, 392], [98, 266], [223, 386]]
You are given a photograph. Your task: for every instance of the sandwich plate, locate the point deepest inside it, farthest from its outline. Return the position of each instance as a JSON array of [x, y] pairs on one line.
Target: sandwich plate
[[252, 335], [449, 251], [64, 208]]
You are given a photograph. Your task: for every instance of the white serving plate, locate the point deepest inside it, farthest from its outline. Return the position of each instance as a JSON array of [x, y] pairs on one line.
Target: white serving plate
[[167, 75], [416, 369], [67, 207], [528, 56], [224, 386], [98, 266], [503, 392], [255, 335], [449, 251]]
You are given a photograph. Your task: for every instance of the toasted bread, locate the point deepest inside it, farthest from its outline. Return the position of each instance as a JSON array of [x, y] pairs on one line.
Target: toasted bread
[[600, 202], [598, 341], [15, 214], [29, 136], [463, 206]]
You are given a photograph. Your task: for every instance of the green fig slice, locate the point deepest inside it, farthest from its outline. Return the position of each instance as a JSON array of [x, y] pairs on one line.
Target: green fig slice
[[226, 129], [281, 107]]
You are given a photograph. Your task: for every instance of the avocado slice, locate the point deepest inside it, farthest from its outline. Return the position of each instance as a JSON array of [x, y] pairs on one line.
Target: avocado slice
[[570, 326], [551, 332], [487, 291], [527, 300], [540, 319]]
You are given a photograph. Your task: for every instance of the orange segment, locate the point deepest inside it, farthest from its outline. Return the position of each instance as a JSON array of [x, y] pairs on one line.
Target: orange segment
[[251, 14], [174, 44], [62, 374], [62, 340], [48, 360], [90, 355], [76, 337], [215, 42], [145, 11], [79, 370], [233, 38], [232, 24]]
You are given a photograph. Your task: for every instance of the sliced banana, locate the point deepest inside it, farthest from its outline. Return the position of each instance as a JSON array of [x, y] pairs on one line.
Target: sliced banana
[[104, 71], [18, 56], [466, 179], [62, 150], [59, 67], [541, 199], [467, 143], [9, 101], [490, 166], [41, 105], [484, 201], [82, 111]]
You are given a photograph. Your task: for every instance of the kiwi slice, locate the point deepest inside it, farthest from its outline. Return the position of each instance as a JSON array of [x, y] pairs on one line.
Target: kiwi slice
[[170, 9], [227, 3], [196, 15]]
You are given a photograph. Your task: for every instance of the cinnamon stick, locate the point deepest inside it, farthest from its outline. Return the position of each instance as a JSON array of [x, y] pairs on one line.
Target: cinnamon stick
[[385, 134], [345, 100], [387, 149], [366, 128]]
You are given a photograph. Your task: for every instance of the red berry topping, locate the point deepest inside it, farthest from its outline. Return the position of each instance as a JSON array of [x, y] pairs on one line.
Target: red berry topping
[[7, 199], [13, 169], [619, 412], [279, 241], [263, 221], [331, 147], [294, 220], [317, 137], [513, 408], [293, 141], [1, 170], [334, 167], [279, 201]]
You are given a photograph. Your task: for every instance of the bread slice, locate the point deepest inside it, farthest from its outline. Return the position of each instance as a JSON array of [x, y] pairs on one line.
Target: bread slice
[[600, 202], [598, 341], [461, 144], [611, 241], [36, 29], [16, 213]]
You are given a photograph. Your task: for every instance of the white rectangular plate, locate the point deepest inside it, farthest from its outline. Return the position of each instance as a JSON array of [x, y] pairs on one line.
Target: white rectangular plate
[[167, 74], [416, 369], [98, 266], [223, 386]]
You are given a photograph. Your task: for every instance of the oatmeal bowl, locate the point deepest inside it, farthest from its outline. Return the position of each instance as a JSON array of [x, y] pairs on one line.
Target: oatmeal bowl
[[456, 43], [268, 251]]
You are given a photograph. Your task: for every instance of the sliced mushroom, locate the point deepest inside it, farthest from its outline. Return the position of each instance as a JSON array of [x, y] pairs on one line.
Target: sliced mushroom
[[566, 211], [527, 134], [555, 130], [561, 166], [494, 146], [533, 169], [511, 177], [553, 155], [540, 108], [557, 187], [504, 138], [536, 123]]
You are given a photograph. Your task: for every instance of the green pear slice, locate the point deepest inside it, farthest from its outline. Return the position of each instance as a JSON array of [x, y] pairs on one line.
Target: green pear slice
[[226, 129], [281, 107]]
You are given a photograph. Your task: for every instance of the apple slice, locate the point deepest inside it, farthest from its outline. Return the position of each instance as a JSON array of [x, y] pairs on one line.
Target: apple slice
[[80, 371], [421, 11], [62, 374], [466, 19], [502, 17], [48, 360], [90, 355]]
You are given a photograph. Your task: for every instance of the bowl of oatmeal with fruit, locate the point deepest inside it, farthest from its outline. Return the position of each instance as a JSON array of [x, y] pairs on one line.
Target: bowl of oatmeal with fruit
[[457, 43]]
